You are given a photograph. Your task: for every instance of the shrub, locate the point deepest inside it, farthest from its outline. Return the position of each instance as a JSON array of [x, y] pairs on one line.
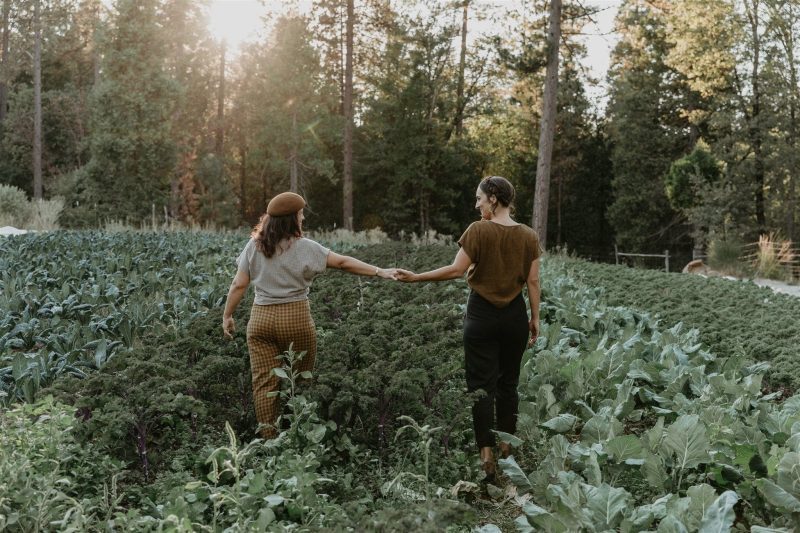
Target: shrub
[[772, 257], [48, 479], [45, 213], [15, 210], [725, 256]]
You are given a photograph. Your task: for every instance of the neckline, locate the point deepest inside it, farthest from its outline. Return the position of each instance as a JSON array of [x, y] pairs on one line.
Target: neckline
[[505, 225]]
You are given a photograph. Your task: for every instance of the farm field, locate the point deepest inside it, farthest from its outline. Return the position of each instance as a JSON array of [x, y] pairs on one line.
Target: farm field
[[125, 409]]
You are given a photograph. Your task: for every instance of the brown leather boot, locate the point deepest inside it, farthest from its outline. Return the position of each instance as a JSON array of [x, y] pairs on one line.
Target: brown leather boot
[[488, 465]]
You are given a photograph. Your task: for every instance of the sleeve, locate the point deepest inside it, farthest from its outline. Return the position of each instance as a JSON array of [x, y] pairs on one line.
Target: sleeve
[[317, 257], [243, 261], [469, 241]]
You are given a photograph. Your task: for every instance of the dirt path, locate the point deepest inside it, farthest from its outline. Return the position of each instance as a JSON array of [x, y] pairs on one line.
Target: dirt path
[[778, 286]]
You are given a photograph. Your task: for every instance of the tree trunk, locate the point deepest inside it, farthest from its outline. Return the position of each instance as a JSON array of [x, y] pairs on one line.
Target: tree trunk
[[347, 184], [293, 185], [547, 132], [220, 134], [461, 66], [243, 179], [754, 129], [37, 101], [4, 60]]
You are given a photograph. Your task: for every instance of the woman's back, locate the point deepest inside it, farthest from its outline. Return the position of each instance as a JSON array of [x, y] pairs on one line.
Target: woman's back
[[286, 276]]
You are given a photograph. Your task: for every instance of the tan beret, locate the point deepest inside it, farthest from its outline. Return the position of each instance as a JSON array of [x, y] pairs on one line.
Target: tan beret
[[285, 203]]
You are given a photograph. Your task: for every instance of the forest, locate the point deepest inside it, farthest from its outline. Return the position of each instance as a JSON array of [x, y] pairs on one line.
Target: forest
[[386, 114]]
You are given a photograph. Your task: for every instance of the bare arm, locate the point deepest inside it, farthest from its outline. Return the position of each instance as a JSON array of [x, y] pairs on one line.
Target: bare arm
[[534, 295], [235, 294], [354, 266], [453, 271]]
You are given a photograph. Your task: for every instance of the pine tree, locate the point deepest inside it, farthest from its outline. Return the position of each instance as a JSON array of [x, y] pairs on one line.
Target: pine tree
[[132, 151]]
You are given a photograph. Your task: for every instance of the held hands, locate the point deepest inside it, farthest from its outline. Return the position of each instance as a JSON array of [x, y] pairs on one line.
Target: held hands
[[228, 327], [387, 273], [405, 276]]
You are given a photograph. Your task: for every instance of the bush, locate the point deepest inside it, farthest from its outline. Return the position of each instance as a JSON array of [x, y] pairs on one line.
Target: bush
[[45, 213], [724, 256], [48, 479], [15, 210]]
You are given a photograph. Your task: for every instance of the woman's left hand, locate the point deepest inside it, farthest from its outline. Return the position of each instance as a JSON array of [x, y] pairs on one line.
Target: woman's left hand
[[533, 325], [228, 327]]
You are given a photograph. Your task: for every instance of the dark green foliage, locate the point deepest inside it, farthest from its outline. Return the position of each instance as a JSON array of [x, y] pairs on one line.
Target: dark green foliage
[[395, 351], [646, 131], [166, 400], [687, 174], [132, 153]]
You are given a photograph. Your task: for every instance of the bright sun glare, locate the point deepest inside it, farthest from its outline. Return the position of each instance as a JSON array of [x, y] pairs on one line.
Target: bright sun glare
[[235, 21]]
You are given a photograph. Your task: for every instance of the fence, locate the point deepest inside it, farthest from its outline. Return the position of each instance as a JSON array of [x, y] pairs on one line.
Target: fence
[[771, 258], [665, 255]]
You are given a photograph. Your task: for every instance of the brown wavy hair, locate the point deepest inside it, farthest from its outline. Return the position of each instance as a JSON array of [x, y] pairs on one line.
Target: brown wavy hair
[[270, 231]]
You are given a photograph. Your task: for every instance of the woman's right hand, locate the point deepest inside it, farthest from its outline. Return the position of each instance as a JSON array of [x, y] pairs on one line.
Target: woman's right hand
[[228, 327], [405, 275]]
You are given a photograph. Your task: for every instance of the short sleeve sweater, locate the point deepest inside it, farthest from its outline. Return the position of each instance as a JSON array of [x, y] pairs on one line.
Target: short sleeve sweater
[[501, 259], [286, 276]]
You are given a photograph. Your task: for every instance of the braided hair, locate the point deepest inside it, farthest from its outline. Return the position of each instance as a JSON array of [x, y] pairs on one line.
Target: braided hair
[[500, 188]]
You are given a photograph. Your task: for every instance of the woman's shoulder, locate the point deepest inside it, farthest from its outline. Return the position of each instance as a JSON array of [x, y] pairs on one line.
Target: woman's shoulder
[[306, 243]]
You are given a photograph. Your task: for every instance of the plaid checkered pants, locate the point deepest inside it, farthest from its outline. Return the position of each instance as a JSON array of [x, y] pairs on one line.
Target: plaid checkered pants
[[270, 331]]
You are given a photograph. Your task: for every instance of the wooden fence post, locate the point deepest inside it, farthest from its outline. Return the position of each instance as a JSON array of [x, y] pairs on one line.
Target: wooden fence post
[[666, 260], [616, 254]]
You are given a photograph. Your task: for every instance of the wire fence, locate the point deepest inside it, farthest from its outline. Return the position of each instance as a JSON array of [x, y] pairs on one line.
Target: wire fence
[[772, 258]]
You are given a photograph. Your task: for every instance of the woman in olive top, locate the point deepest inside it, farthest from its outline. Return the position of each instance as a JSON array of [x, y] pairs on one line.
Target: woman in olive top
[[281, 263], [500, 257]]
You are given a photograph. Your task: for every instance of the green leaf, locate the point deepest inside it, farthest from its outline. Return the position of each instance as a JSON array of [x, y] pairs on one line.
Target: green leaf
[[606, 504], [280, 372], [654, 471], [671, 524], [687, 441], [561, 423], [508, 438], [592, 471], [720, 516], [514, 472], [624, 448], [778, 497], [789, 473]]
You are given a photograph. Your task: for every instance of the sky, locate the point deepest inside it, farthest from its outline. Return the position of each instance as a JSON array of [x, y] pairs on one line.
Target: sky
[[239, 20]]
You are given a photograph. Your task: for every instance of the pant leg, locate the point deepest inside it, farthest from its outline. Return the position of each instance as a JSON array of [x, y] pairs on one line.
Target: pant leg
[[296, 328], [481, 351], [514, 339], [264, 351]]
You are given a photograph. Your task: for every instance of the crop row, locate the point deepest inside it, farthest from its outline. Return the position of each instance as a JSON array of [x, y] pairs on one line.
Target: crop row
[[633, 425], [734, 318], [71, 300]]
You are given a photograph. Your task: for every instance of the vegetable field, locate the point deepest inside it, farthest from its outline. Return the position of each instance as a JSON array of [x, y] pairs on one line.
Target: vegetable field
[[124, 409]]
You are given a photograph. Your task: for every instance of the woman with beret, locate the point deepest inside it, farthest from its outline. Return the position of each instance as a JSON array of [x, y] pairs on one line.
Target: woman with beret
[[500, 257], [281, 264]]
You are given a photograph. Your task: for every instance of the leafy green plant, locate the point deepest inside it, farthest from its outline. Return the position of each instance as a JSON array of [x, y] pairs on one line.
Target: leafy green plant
[[724, 255], [49, 479], [15, 210]]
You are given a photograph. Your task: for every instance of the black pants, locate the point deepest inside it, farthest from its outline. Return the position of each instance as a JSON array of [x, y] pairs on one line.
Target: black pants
[[494, 340]]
